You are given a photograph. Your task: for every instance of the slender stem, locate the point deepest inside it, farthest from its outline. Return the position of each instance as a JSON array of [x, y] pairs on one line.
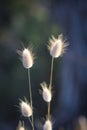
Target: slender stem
[[30, 121], [50, 85], [30, 92], [51, 74], [48, 110]]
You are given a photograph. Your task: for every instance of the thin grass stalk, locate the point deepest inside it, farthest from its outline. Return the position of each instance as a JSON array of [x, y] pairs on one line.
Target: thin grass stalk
[[51, 74], [30, 93], [30, 121], [50, 85]]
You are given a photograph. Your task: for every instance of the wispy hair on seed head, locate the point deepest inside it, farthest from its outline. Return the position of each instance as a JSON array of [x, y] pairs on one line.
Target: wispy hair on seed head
[[30, 47]]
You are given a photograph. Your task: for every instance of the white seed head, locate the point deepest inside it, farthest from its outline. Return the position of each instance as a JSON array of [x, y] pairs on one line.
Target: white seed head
[[21, 126], [83, 123], [47, 96], [27, 58], [47, 125], [57, 46], [26, 109]]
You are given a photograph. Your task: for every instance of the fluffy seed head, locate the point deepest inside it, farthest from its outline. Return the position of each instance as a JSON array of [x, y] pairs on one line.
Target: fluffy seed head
[[26, 109], [27, 58], [47, 96], [47, 125], [83, 123], [57, 46], [21, 126]]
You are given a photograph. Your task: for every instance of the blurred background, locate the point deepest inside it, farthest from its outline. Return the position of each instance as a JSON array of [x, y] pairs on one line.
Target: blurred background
[[27, 22]]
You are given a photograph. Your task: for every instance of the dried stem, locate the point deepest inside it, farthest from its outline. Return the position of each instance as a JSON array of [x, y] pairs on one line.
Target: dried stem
[[51, 74], [30, 121], [30, 92], [50, 85]]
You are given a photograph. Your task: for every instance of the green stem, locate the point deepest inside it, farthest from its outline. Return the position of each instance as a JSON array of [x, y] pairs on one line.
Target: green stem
[[30, 92]]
